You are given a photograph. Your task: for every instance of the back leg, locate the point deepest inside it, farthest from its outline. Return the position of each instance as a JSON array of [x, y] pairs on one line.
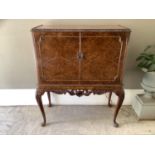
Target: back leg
[[49, 98], [109, 99]]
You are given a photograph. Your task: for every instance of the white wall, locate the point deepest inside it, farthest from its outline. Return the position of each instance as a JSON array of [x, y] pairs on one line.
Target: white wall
[[17, 62]]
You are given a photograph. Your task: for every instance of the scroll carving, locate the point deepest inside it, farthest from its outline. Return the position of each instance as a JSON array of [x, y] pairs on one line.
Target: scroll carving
[[79, 93]]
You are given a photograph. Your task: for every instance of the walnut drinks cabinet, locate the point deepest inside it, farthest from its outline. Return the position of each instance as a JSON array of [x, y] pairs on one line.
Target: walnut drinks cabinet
[[80, 60]]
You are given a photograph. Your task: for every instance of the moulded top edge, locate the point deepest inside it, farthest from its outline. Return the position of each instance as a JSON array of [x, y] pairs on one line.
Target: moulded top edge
[[77, 28]]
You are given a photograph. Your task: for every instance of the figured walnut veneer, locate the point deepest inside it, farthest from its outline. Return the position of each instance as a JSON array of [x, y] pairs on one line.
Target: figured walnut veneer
[[80, 60]]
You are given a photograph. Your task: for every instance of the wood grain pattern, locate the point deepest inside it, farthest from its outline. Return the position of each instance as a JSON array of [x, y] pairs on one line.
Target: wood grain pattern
[[104, 53], [80, 60], [59, 58]]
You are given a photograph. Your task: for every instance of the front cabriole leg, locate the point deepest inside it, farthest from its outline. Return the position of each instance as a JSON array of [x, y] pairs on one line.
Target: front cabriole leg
[[39, 94], [120, 95]]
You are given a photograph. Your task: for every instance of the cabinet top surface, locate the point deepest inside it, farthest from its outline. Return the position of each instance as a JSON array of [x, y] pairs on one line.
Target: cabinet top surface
[[104, 28]]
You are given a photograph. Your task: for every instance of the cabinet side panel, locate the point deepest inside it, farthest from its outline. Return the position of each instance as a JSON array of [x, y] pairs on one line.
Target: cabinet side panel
[[36, 36]]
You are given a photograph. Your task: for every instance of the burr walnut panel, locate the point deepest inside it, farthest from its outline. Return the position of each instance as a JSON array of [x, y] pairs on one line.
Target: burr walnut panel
[[101, 58], [59, 58]]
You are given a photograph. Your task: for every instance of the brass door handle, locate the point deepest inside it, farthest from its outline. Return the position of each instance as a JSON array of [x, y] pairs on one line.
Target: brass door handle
[[80, 55]]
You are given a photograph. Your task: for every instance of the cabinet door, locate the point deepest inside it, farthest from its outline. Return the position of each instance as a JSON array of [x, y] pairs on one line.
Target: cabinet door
[[58, 55], [102, 54]]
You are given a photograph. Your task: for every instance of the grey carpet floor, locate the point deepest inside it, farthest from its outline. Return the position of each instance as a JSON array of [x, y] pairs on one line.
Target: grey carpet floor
[[71, 120]]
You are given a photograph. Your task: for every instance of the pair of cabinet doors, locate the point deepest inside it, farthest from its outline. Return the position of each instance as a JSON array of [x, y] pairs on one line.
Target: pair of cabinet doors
[[80, 57]]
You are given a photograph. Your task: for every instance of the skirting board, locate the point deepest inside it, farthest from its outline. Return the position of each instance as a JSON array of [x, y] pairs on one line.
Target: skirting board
[[10, 97]]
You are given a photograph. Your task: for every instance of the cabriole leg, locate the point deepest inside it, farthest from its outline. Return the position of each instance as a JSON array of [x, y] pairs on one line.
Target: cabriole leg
[[120, 95], [39, 93], [109, 99], [49, 98]]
